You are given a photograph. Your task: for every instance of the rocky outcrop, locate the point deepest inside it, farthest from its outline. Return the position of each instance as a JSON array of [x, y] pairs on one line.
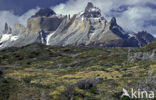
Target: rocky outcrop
[[143, 56], [149, 83]]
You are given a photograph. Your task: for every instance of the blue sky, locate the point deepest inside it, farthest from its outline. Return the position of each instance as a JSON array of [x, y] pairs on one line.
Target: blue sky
[[132, 15], [21, 6]]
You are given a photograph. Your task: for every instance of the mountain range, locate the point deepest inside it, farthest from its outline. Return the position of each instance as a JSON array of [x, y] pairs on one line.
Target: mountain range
[[87, 28]]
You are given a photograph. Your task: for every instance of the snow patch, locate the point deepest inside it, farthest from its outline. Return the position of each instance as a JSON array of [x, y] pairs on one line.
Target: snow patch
[[82, 17], [132, 35], [94, 10], [5, 37], [14, 38], [48, 38], [92, 35], [42, 39]]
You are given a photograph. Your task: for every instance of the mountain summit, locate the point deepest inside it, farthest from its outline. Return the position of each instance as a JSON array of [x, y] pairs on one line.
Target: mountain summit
[[89, 6], [87, 28], [91, 11], [45, 12], [113, 21]]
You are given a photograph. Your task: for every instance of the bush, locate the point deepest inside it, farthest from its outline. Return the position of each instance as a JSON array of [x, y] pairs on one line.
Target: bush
[[86, 84], [27, 80], [117, 95], [125, 98], [7, 88], [1, 73], [69, 92]]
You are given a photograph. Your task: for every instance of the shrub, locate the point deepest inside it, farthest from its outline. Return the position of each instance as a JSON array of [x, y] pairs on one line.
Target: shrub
[[86, 84], [125, 98], [27, 80], [66, 49], [117, 95], [69, 92], [28, 63], [1, 73], [7, 88], [73, 92], [4, 56], [56, 95], [127, 75]]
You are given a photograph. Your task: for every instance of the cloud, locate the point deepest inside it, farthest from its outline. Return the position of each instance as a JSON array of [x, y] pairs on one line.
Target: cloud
[[132, 15], [11, 18], [76, 6]]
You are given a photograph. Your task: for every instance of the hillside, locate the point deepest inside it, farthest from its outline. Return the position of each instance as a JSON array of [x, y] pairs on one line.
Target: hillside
[[39, 72]]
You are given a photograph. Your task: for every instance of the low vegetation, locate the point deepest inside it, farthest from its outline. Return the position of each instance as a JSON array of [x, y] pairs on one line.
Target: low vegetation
[[38, 72]]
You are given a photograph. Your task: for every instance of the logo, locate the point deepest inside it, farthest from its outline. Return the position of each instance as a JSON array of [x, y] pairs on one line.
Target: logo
[[138, 94]]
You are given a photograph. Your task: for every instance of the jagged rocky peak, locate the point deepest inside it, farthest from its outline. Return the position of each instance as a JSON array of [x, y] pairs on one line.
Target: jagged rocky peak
[[147, 37], [7, 28], [143, 32], [44, 12], [91, 11], [89, 6], [113, 21]]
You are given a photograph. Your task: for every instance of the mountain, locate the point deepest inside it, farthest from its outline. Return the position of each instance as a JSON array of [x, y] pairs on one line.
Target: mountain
[[145, 38], [87, 28], [44, 12]]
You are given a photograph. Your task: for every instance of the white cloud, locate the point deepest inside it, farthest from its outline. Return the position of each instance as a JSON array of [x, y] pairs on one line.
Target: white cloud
[[11, 18], [76, 6], [132, 19]]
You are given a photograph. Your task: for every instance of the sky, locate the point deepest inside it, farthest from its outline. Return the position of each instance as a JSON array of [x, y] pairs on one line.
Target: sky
[[132, 15]]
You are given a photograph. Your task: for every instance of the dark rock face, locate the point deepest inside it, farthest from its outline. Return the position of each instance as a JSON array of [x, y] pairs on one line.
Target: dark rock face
[[89, 5], [137, 40], [117, 29], [127, 41], [6, 26], [132, 42], [50, 24], [145, 38], [45, 12], [7, 29], [47, 24], [113, 21]]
